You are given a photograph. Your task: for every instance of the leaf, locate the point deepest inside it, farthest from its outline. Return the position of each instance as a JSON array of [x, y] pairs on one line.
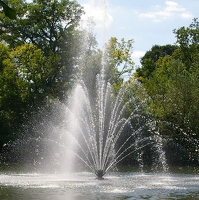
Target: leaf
[[9, 12]]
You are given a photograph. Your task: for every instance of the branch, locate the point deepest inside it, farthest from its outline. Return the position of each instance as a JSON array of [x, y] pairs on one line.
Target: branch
[[9, 12]]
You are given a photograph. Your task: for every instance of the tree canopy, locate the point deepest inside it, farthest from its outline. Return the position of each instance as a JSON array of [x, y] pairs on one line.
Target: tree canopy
[[39, 52], [148, 61], [170, 75]]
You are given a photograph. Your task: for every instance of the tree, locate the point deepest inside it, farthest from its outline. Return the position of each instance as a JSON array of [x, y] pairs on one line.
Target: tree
[[118, 61], [171, 80], [114, 62], [90, 62], [39, 55], [33, 69], [42, 23], [10, 96], [50, 26], [188, 41], [187, 77], [173, 88], [23, 74], [148, 61], [174, 93]]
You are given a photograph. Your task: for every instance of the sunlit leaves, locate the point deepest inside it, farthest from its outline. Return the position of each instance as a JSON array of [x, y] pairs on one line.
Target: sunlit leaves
[[119, 55]]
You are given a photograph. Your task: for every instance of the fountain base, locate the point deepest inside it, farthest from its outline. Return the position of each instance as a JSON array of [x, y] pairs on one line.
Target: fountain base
[[99, 173]]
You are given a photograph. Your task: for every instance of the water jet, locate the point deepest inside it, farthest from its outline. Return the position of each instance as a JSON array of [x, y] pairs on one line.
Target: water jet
[[100, 125]]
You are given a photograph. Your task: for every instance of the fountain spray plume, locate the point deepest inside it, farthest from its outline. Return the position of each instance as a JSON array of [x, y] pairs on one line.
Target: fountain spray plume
[[96, 121], [100, 123], [99, 116]]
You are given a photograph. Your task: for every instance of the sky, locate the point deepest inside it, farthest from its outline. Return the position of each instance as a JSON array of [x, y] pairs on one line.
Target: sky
[[147, 22]]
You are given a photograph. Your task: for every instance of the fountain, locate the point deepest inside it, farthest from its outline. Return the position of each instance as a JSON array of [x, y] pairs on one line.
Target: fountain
[[98, 124]]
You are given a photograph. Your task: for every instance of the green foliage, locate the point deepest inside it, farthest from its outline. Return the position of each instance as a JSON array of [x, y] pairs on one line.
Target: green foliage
[[8, 11], [38, 54], [119, 56], [90, 62], [34, 70], [10, 95], [118, 61], [50, 26], [43, 23], [149, 60], [188, 41], [171, 80]]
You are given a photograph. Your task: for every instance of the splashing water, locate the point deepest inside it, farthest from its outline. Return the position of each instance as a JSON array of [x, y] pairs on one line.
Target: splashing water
[[99, 124]]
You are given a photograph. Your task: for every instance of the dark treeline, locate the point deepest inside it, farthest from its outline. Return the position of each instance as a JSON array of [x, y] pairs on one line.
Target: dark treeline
[[42, 50]]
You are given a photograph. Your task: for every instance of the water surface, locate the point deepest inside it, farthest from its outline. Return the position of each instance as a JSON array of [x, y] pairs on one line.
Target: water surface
[[86, 186]]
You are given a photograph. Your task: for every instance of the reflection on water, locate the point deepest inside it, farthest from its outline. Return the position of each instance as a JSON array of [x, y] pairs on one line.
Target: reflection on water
[[85, 186]]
